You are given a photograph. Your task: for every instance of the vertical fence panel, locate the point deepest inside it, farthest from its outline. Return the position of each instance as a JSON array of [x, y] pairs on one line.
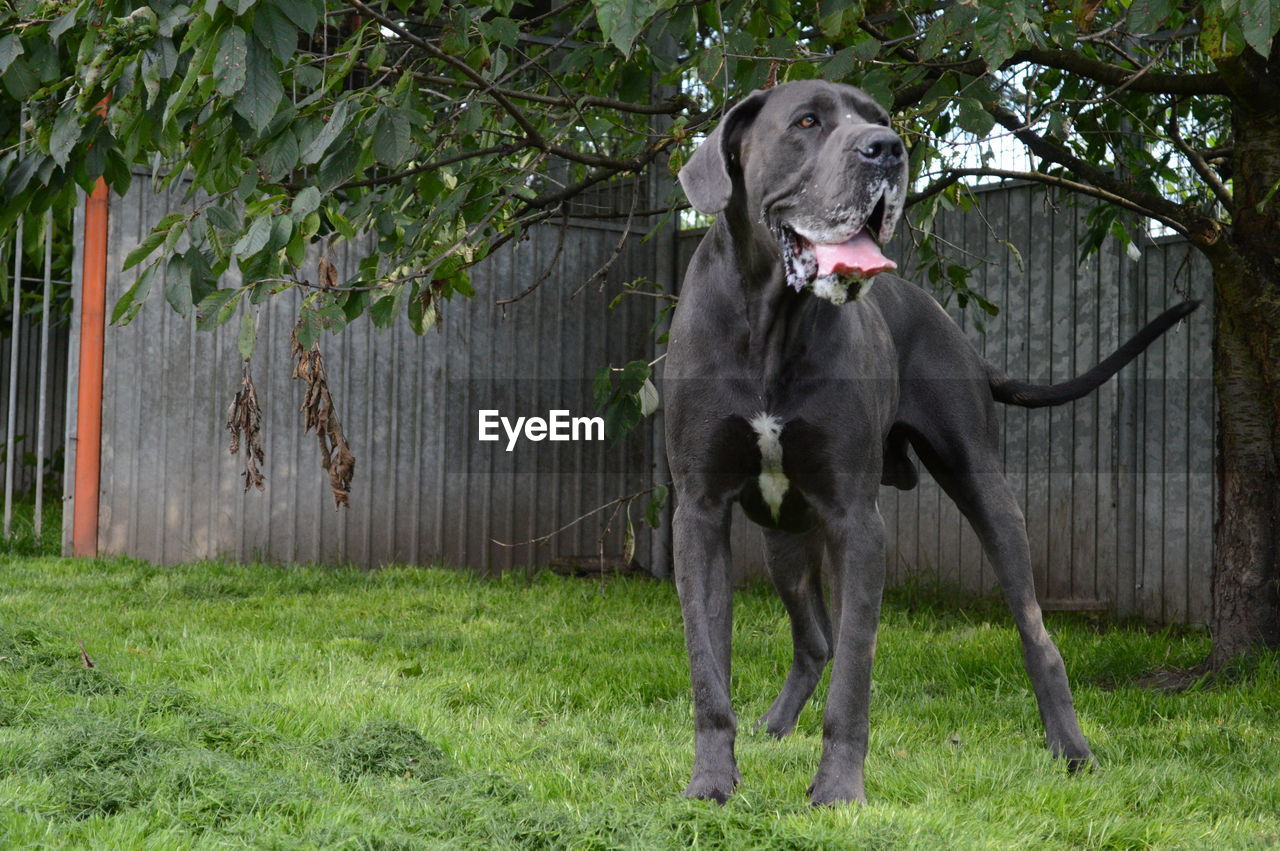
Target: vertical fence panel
[[424, 488]]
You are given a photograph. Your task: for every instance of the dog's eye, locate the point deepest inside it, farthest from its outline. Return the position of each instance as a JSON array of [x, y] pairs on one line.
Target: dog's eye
[[807, 120]]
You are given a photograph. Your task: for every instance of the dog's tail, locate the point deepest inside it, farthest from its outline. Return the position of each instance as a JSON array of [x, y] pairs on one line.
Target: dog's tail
[[1010, 392]]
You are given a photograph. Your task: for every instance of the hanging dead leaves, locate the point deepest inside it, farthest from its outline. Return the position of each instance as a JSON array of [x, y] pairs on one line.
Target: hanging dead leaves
[[319, 414], [244, 421], [244, 416]]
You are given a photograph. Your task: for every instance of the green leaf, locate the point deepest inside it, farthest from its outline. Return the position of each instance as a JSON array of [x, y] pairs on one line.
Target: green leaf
[[19, 80], [621, 417], [255, 237], [1146, 16], [281, 230], [973, 118], [229, 64], [838, 66], [996, 29], [304, 13], [653, 511], [634, 375], [281, 156], [327, 134], [602, 386], [137, 255], [383, 311], [629, 540], [64, 23], [391, 140], [177, 285], [10, 49], [248, 335], [275, 31], [221, 218], [1258, 22], [648, 396], [622, 20], [66, 132], [339, 221], [833, 16], [304, 202], [216, 308], [131, 301], [262, 92], [308, 328]]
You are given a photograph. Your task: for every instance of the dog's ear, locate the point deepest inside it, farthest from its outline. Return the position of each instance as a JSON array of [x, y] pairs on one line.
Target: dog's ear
[[705, 177]]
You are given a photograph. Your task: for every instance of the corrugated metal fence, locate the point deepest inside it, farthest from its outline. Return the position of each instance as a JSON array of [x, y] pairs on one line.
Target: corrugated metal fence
[[1117, 488], [425, 489]]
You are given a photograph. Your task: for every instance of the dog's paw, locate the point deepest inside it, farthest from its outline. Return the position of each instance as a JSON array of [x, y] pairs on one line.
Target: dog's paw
[[777, 727], [832, 790], [708, 786], [1075, 753]]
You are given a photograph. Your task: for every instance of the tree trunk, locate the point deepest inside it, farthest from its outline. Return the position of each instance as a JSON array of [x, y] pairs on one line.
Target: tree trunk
[[1246, 577], [1246, 371]]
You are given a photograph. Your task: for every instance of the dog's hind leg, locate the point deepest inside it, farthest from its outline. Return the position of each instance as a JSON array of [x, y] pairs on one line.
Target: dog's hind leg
[[971, 475], [795, 565], [700, 532]]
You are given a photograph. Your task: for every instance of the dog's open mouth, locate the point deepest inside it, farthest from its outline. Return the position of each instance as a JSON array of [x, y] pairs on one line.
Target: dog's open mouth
[[836, 271]]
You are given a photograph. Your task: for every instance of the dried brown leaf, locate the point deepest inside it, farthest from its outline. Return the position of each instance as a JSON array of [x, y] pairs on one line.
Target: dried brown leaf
[[319, 414], [244, 421], [328, 273]]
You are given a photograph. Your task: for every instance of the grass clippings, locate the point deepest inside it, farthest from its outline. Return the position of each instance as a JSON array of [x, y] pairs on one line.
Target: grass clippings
[[268, 707]]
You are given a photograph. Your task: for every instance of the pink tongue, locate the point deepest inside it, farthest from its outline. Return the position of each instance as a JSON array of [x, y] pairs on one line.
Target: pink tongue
[[860, 257]]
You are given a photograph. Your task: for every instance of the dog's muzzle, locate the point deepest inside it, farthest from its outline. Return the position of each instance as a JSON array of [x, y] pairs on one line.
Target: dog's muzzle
[[840, 270]]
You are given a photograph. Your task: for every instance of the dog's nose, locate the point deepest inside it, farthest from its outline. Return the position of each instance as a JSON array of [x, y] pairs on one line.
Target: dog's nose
[[882, 147]]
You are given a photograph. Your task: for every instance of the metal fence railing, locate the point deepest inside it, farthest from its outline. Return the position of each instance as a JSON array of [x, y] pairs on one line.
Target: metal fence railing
[[32, 370]]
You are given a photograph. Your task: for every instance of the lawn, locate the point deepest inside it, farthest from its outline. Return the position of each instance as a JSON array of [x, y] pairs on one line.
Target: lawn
[[263, 706]]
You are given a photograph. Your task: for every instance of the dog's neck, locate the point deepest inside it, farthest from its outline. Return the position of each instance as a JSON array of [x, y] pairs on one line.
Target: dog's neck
[[774, 313]]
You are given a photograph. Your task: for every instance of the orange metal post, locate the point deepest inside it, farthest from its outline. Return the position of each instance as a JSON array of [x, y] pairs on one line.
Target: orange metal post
[[93, 316]]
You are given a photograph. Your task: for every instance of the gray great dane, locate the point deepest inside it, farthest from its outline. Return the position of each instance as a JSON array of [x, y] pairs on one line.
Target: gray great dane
[[794, 388]]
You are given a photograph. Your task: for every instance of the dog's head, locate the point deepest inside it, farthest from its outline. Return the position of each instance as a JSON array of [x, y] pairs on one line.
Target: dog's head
[[817, 164]]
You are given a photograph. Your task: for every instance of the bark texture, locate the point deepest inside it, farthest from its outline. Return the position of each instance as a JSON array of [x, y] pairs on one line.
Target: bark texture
[[1246, 267]]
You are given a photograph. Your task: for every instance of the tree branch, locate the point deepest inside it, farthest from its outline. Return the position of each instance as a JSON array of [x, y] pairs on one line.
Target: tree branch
[[1048, 179], [1115, 75], [1207, 174], [435, 164], [1159, 207], [529, 128], [671, 106]]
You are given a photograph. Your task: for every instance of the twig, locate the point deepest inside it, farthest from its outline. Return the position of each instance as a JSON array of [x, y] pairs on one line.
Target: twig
[[617, 248], [542, 539], [1050, 179], [435, 164], [551, 266], [1198, 163]]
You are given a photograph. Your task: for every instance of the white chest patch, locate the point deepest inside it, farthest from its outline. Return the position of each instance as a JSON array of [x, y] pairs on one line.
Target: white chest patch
[[773, 482]]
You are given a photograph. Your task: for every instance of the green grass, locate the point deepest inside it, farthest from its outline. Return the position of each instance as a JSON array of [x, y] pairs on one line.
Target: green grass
[[268, 707], [23, 540]]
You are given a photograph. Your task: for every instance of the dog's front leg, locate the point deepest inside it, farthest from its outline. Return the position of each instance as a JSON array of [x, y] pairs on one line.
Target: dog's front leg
[[856, 541], [701, 538]]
